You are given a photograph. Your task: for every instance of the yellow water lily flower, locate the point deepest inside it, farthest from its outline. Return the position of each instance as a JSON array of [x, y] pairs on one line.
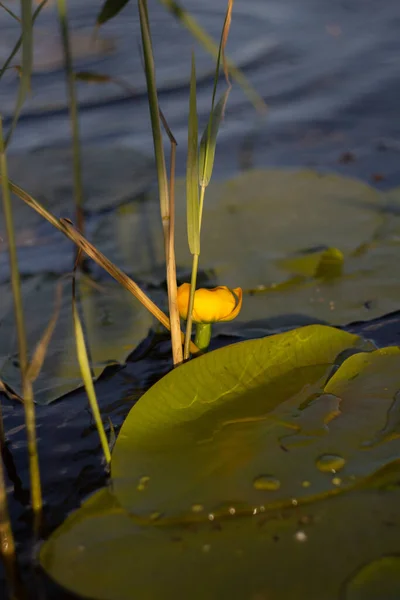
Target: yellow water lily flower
[[210, 306]]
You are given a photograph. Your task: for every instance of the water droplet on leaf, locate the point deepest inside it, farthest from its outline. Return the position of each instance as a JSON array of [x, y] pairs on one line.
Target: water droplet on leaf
[[266, 482], [330, 463]]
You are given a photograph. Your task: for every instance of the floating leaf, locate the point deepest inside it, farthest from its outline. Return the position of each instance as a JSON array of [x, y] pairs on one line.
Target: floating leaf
[[223, 413], [207, 444], [257, 219], [115, 323], [325, 263]]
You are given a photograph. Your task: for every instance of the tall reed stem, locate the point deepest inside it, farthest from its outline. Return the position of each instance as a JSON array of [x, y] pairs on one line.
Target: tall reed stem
[[165, 206], [73, 112], [36, 493]]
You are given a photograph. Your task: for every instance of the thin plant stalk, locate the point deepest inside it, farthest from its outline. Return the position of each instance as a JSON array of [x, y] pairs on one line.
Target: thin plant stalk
[[73, 112], [7, 544], [192, 201], [162, 182], [204, 169], [19, 42], [30, 421], [67, 228], [193, 283], [189, 320]]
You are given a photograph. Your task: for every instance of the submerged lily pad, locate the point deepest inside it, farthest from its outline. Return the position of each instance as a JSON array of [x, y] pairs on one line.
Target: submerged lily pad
[[101, 552], [256, 222], [114, 323], [305, 452]]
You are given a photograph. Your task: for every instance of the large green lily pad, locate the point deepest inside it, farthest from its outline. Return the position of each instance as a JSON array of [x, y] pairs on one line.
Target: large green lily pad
[[267, 469], [253, 226]]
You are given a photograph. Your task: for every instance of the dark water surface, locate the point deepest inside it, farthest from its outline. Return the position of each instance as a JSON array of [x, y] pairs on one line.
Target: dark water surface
[[330, 74]]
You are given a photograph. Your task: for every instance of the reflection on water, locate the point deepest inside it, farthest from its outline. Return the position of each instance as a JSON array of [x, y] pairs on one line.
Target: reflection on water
[[328, 71]]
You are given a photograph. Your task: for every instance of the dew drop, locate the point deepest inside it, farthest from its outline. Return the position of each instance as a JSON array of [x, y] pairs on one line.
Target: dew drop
[[197, 508], [330, 463], [266, 482], [300, 536], [379, 579]]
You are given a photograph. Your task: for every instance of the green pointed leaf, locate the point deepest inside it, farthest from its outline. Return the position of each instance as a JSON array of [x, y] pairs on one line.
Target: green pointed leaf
[[209, 141], [191, 24], [86, 373], [192, 170], [27, 61], [109, 9]]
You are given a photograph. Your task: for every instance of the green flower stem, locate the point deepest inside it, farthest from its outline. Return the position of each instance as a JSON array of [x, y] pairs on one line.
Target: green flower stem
[[203, 336], [195, 266], [189, 321]]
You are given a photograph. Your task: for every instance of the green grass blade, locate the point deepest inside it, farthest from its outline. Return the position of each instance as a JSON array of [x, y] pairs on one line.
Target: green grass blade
[[30, 421], [212, 48], [27, 61], [192, 170], [86, 373], [66, 227], [73, 112], [109, 9], [19, 42], [10, 12], [209, 140], [40, 351]]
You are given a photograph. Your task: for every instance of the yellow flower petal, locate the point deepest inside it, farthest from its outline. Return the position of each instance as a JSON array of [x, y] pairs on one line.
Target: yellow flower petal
[[210, 306]]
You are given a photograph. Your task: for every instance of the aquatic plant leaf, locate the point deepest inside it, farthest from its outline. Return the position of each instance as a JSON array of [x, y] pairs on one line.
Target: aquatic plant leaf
[[27, 61], [256, 220], [114, 323], [217, 417], [192, 170], [86, 373], [186, 447], [209, 141], [109, 10], [192, 25], [325, 263]]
